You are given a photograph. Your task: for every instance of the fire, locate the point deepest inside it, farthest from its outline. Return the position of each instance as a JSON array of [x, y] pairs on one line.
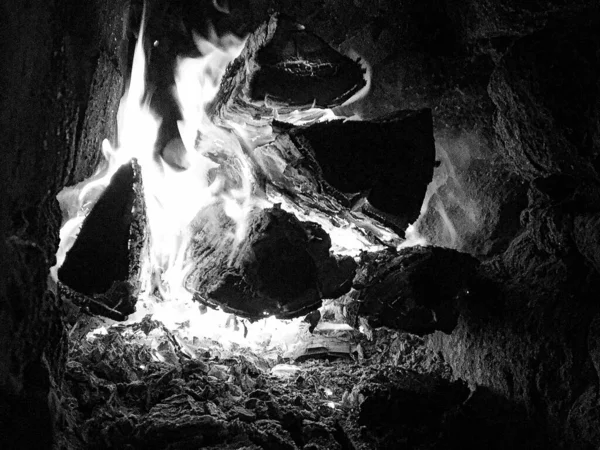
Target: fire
[[180, 181], [138, 129], [177, 185]]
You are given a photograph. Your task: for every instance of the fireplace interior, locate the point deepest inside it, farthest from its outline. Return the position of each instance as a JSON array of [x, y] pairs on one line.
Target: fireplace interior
[[264, 224]]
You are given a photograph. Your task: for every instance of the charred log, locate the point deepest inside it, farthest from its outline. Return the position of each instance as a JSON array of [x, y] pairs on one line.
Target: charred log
[[415, 290], [284, 66], [390, 159], [388, 162], [288, 176], [101, 271], [281, 266]]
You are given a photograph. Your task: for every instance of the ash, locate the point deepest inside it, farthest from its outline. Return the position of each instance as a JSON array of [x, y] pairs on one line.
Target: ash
[[388, 392]]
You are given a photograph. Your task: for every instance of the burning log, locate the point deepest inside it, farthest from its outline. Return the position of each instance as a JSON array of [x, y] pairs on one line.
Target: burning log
[[101, 272], [414, 290], [281, 266], [349, 172], [286, 67], [388, 162]]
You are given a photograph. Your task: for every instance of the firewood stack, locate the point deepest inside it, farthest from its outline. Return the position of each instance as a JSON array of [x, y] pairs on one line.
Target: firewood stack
[[370, 174], [285, 68]]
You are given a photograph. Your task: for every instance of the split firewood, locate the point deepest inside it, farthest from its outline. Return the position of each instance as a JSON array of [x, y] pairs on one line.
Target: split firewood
[[286, 67], [281, 267], [346, 171], [379, 168], [416, 289], [101, 272]]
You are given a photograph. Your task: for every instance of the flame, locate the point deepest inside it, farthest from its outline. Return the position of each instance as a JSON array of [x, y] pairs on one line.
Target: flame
[[361, 93], [190, 322], [176, 196], [138, 129], [179, 183], [177, 186]]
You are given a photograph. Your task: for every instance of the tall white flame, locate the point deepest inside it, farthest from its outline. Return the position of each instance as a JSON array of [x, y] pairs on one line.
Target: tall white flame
[[184, 188], [137, 128]]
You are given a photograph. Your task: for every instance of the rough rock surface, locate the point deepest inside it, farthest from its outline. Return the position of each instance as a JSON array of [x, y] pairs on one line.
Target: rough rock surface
[[395, 289], [582, 423], [34, 342], [532, 339], [61, 77], [548, 107], [586, 235], [528, 338]]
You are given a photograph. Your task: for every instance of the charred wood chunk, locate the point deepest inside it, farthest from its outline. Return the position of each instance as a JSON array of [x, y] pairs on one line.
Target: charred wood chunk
[[276, 268], [548, 107], [295, 180], [297, 68], [586, 234], [388, 161], [287, 67], [104, 264], [414, 290]]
